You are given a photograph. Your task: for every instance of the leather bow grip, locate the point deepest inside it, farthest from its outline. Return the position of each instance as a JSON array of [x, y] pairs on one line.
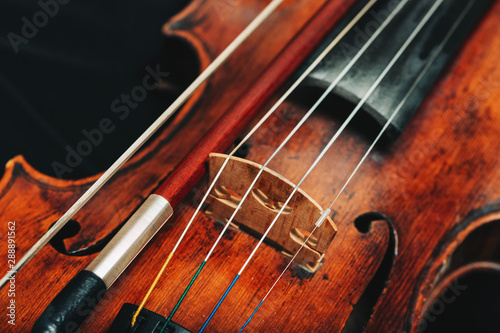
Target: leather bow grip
[[72, 305]]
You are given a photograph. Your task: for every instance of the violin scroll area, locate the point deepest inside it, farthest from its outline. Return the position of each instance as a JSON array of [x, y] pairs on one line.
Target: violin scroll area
[[267, 198]]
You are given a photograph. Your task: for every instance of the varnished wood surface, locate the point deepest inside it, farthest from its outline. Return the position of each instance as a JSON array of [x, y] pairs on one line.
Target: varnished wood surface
[[453, 140], [444, 166], [24, 190]]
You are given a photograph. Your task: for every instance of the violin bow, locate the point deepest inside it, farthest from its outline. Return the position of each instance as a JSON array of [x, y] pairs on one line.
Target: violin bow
[[207, 73], [71, 306]]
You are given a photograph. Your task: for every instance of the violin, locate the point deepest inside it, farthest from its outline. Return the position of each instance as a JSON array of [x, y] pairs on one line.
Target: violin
[[405, 203]]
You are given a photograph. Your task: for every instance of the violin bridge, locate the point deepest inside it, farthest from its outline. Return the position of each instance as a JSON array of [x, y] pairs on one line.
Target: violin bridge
[[263, 204]]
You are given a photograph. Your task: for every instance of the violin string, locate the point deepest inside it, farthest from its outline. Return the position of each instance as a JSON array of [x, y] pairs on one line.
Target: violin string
[[327, 211], [96, 186], [306, 116], [326, 148], [245, 139]]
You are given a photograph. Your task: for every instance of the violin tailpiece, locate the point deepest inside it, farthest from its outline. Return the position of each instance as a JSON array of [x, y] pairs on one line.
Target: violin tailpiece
[[263, 204], [147, 322]]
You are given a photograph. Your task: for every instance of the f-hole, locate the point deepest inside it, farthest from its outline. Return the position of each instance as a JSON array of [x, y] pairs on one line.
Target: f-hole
[[361, 312]]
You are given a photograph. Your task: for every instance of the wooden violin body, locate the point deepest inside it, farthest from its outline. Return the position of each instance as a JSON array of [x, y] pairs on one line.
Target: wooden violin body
[[404, 222]]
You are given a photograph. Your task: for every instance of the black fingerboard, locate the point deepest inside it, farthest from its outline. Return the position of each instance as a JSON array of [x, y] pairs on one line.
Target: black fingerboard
[[394, 88]]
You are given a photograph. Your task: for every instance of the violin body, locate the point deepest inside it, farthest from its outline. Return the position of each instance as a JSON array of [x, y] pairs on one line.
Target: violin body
[[404, 222]]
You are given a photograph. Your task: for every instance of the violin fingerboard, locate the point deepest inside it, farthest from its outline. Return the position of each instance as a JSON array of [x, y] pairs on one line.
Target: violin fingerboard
[[410, 68]]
